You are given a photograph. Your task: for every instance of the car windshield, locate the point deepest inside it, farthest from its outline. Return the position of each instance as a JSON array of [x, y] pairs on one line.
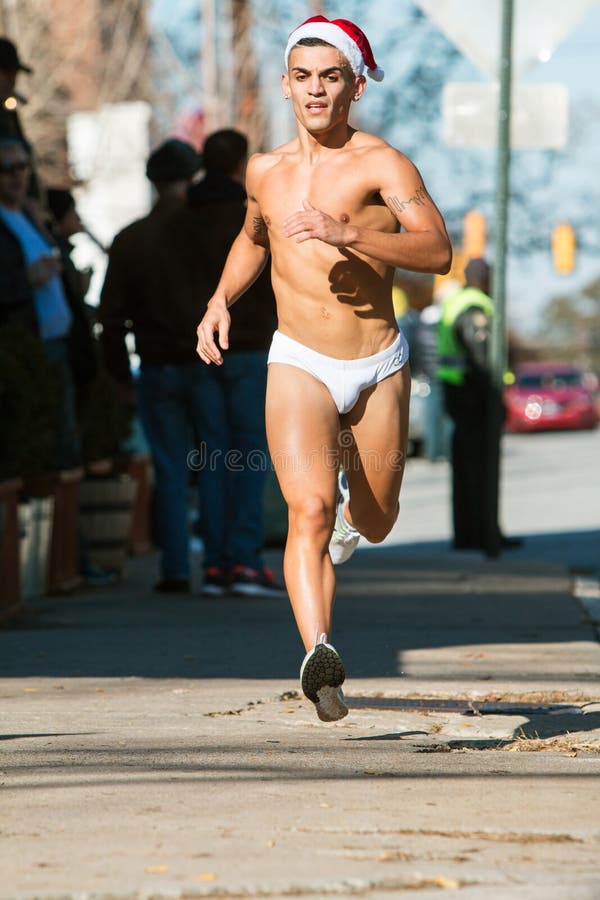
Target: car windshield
[[549, 379]]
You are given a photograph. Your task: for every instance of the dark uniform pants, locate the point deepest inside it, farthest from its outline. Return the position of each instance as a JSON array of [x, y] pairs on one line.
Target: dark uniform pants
[[467, 409]]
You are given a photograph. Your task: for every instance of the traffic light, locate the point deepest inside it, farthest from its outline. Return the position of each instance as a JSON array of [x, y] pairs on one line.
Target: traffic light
[[455, 275], [474, 235], [564, 245]]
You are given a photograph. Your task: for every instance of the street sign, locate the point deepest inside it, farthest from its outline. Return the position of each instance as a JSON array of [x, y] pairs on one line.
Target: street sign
[[539, 115], [474, 27]]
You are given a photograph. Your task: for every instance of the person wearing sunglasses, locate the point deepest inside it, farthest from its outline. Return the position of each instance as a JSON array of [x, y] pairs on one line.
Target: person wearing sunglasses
[[31, 289]]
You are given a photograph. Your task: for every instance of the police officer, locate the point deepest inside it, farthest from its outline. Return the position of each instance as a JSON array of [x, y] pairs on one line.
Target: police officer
[[463, 341]]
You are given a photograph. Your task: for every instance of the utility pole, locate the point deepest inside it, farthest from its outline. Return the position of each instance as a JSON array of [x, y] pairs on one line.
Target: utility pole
[[9, 19], [209, 65], [247, 109], [497, 361]]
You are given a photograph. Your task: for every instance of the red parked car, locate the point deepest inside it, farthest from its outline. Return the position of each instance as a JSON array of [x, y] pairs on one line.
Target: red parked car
[[548, 396]]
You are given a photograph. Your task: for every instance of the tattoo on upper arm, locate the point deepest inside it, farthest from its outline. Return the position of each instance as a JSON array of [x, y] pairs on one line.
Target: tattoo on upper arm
[[259, 227], [398, 206]]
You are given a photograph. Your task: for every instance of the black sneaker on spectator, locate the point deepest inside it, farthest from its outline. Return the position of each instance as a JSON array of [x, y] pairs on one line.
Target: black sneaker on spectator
[[247, 582], [215, 582]]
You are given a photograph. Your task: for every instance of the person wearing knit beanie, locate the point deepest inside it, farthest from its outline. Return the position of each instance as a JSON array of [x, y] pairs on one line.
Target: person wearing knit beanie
[[172, 161], [337, 209]]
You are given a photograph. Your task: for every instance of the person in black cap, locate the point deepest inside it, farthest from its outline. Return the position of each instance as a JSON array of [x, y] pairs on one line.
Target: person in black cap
[[10, 122], [10, 66], [148, 292]]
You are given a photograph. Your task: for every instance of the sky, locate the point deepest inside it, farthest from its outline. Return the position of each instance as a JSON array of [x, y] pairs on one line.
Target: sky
[[576, 61], [531, 280]]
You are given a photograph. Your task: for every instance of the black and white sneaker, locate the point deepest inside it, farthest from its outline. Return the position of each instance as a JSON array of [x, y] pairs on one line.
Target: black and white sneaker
[[215, 583], [321, 677]]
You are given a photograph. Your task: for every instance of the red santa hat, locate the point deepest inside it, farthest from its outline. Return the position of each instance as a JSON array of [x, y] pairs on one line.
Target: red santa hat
[[343, 34]]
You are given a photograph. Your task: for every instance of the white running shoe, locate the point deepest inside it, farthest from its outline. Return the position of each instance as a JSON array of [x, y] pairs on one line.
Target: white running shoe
[[321, 676], [345, 537]]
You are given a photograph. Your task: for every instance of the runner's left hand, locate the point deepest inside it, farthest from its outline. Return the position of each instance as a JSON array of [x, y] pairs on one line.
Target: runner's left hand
[[312, 223]]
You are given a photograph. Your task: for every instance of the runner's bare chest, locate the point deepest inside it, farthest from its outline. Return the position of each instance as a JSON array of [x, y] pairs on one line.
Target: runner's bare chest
[[341, 190]]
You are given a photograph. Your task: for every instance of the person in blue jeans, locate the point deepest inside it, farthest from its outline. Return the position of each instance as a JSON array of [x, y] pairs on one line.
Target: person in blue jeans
[[232, 459], [147, 291], [162, 271]]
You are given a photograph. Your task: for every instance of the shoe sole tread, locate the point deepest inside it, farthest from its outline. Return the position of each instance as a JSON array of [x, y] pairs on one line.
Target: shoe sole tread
[[323, 669]]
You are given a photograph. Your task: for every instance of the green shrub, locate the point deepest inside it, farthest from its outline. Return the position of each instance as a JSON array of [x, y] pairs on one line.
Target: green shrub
[[30, 391], [104, 419]]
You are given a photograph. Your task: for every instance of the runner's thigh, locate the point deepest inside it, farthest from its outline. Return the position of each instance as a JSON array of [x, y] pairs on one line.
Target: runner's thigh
[[302, 431], [374, 452]]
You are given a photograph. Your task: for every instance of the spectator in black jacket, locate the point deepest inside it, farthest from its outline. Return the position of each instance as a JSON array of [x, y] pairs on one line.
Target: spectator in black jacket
[[148, 292], [162, 271], [234, 459]]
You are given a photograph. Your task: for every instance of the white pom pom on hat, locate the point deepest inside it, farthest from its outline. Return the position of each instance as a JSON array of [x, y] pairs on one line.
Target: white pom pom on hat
[[343, 34]]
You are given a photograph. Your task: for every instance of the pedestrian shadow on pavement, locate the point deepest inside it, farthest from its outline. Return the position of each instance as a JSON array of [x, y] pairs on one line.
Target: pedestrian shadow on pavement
[[576, 550], [424, 598], [555, 721], [44, 734], [542, 728]]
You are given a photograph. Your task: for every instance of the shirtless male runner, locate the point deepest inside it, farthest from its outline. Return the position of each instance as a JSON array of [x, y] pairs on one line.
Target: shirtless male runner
[[338, 210]]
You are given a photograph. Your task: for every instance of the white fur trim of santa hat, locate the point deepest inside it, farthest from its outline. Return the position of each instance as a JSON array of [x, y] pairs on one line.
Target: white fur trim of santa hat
[[343, 34]]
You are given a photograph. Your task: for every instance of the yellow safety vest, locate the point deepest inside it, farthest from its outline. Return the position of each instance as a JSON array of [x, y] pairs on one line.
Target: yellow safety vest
[[451, 354]]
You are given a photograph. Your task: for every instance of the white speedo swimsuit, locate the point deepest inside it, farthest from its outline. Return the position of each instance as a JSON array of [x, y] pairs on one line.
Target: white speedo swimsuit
[[343, 378]]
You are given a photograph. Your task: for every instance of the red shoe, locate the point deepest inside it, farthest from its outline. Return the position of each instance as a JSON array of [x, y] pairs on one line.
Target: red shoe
[[247, 582]]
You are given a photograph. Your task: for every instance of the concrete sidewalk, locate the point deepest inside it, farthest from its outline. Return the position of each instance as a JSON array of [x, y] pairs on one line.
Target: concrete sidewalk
[[158, 747]]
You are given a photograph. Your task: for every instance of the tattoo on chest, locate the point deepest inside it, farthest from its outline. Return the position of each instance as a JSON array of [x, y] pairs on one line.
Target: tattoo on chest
[[259, 227], [419, 199]]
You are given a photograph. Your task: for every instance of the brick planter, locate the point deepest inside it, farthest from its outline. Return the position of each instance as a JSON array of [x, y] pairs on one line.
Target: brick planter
[[63, 565], [106, 510], [138, 466], [35, 524]]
